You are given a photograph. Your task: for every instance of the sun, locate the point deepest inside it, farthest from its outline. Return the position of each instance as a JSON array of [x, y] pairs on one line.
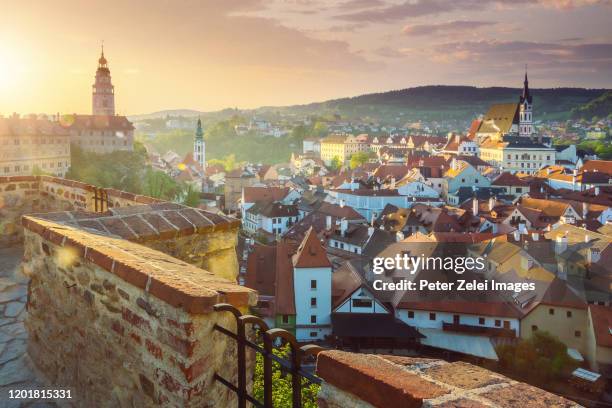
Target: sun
[[9, 68]]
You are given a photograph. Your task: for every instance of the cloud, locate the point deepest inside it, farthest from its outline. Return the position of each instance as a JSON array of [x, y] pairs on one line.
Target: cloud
[[457, 26], [420, 8]]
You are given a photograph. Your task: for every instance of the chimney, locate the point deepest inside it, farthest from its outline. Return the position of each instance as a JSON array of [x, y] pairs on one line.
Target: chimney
[[560, 244], [399, 236], [328, 222], [342, 203], [370, 231], [587, 238], [535, 236], [392, 183], [475, 206], [343, 227], [491, 203], [517, 235], [596, 191]]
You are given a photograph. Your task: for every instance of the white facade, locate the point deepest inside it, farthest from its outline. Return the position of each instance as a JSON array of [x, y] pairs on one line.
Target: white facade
[[313, 318], [433, 320], [418, 189], [361, 301]]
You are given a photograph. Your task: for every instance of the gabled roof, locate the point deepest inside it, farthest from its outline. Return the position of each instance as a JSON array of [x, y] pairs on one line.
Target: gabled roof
[[273, 209], [603, 166], [311, 253], [509, 179], [102, 122], [499, 118], [602, 324], [255, 194]]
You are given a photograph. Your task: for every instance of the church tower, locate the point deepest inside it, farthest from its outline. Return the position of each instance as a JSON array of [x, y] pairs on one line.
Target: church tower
[[103, 91], [525, 111], [199, 146]]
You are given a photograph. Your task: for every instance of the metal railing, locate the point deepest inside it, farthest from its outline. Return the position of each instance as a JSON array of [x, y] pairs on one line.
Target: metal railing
[[270, 336]]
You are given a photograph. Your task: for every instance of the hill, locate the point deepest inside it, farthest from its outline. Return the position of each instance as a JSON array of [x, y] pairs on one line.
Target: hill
[[447, 102], [438, 102], [600, 107]]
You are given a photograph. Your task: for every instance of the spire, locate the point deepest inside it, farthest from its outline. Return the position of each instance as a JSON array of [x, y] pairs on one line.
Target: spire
[[526, 96], [199, 131], [102, 61]]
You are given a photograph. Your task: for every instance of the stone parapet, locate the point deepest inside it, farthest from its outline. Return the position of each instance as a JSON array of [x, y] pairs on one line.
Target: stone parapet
[[122, 324], [367, 380]]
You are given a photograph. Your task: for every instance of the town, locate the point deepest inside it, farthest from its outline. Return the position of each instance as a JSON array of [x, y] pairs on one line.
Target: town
[[520, 195]]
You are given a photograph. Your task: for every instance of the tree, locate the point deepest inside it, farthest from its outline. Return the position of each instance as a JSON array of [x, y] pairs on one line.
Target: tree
[[336, 163], [281, 383], [158, 184], [192, 196], [359, 159], [540, 358]]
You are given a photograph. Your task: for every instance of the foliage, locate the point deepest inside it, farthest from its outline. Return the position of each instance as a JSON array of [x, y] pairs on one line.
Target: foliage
[[336, 163], [122, 170], [228, 162], [358, 159], [192, 197], [602, 149], [281, 383], [600, 107], [540, 358]]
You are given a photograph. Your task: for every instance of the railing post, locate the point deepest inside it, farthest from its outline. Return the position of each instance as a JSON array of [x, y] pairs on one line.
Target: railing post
[[296, 379], [267, 366], [242, 391]]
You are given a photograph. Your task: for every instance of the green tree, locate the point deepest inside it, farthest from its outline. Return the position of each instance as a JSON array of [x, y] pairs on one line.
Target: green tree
[[281, 383], [359, 159], [539, 359], [192, 196], [160, 185], [336, 163]]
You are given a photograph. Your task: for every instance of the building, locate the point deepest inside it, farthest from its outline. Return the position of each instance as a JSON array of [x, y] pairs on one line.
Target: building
[[32, 144], [102, 131], [103, 91], [312, 280], [199, 146], [525, 111], [272, 217], [342, 147]]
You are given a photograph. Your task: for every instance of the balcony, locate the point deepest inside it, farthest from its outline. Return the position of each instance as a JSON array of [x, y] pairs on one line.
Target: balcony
[[482, 330]]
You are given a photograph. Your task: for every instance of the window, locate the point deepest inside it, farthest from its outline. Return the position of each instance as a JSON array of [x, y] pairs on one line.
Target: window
[[506, 324], [456, 319], [551, 311], [313, 302], [569, 313], [285, 319], [313, 334], [497, 323], [362, 303], [313, 319], [313, 284], [410, 314], [481, 321], [432, 316], [577, 333], [534, 328]]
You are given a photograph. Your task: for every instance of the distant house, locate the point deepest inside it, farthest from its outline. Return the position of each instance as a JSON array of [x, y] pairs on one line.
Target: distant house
[[272, 217], [511, 184], [461, 174]]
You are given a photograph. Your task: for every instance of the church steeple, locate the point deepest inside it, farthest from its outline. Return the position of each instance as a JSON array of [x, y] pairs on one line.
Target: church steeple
[[526, 96], [199, 146], [199, 131]]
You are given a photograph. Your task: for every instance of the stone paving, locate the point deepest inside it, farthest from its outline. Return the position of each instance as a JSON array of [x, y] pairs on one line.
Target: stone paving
[[16, 370]]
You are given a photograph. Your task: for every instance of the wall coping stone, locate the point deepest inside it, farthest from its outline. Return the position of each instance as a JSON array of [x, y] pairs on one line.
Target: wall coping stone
[[171, 280], [394, 381]]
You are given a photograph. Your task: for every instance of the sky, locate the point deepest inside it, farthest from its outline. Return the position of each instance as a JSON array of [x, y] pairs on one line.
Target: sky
[[209, 55]]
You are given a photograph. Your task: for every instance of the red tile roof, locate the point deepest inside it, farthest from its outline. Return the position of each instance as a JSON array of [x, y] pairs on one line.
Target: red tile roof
[[311, 253], [602, 323], [256, 194], [604, 166], [509, 179]]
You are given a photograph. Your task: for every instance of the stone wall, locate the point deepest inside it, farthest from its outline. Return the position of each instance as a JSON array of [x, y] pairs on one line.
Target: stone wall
[[367, 380], [124, 325], [21, 195]]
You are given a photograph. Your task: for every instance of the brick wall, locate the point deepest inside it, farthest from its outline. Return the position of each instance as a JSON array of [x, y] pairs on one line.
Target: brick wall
[[366, 381], [123, 324], [21, 195]]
